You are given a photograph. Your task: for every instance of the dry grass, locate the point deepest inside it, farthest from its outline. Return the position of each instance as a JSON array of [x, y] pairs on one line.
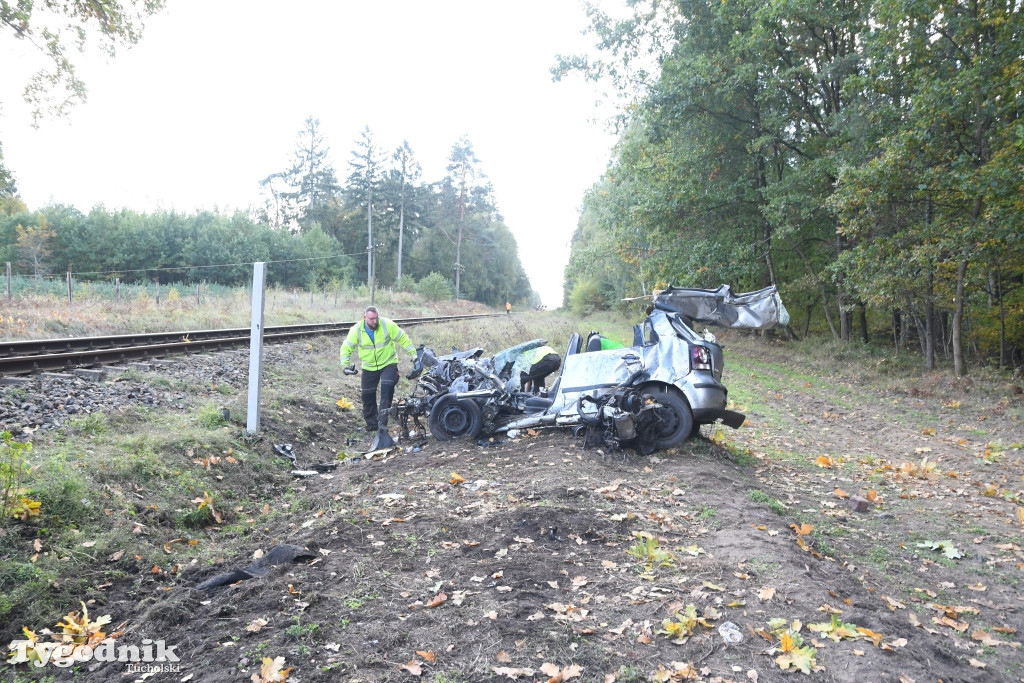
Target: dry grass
[[35, 316]]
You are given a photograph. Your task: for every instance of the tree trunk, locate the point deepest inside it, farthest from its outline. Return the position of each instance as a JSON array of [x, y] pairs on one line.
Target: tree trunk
[[958, 318], [862, 314], [929, 325], [896, 325]]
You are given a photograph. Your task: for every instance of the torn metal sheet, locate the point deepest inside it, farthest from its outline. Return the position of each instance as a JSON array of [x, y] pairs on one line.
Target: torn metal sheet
[[760, 310]]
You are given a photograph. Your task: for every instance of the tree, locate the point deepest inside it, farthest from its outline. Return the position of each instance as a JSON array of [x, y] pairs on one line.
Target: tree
[[7, 187], [362, 182], [34, 245], [305, 193], [462, 171], [56, 87], [407, 171]]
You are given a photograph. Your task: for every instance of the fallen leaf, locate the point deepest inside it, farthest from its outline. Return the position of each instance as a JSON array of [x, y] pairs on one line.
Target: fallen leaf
[[413, 667], [456, 479], [255, 625], [558, 674], [766, 593], [439, 599], [271, 671], [513, 673]]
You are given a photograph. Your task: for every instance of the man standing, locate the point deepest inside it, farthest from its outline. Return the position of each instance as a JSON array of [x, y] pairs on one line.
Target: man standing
[[508, 308], [375, 339]]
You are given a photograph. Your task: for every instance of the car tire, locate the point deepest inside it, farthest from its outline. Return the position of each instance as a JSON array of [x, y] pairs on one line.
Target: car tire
[[452, 419], [676, 420]]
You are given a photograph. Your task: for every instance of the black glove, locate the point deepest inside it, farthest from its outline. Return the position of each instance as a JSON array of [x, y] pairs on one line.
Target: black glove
[[417, 369], [350, 370]]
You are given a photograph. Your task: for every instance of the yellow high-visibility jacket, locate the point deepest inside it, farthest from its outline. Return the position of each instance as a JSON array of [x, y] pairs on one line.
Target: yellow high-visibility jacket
[[538, 354], [380, 351]]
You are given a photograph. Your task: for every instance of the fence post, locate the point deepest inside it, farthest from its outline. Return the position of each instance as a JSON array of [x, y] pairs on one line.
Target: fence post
[[117, 290], [197, 295], [8, 282], [69, 285], [259, 291], [157, 292]]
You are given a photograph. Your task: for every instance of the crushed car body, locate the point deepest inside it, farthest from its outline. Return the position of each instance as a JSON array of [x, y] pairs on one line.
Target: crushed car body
[[651, 395]]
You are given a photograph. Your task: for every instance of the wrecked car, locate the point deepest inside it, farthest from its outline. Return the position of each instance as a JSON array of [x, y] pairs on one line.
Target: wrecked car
[[651, 395]]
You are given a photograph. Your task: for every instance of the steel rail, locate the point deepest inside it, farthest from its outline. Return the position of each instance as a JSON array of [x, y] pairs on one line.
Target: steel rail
[[30, 356]]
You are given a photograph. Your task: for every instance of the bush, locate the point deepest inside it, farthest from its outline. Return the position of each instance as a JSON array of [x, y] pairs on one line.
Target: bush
[[586, 298], [435, 287], [406, 283]]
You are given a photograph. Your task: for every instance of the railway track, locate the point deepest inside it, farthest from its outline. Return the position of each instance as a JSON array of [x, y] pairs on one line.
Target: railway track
[[49, 355]]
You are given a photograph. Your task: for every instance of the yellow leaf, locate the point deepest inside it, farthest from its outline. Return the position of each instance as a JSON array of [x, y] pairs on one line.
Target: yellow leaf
[[803, 529], [839, 493], [344, 403], [456, 479], [825, 461], [271, 671]]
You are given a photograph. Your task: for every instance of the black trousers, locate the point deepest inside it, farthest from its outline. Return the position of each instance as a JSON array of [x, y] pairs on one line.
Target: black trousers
[[539, 370], [387, 378]]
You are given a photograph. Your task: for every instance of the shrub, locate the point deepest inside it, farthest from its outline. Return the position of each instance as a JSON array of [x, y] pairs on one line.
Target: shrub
[[586, 298], [435, 287]]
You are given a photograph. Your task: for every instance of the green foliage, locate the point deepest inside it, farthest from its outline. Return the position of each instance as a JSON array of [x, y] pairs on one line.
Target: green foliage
[[14, 471], [56, 87], [586, 298], [649, 551], [773, 504], [406, 283], [313, 234], [434, 287], [863, 156], [212, 417]]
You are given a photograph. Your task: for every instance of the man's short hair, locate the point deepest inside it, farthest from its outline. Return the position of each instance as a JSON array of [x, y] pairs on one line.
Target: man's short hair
[[371, 309]]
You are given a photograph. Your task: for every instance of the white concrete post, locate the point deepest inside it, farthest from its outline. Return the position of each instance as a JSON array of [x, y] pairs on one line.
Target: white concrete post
[[259, 290]]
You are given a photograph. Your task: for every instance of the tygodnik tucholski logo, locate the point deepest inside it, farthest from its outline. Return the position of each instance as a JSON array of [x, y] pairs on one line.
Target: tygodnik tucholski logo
[[149, 657]]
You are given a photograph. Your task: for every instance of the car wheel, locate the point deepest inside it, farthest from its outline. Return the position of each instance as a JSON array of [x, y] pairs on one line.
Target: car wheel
[[452, 419], [675, 420]]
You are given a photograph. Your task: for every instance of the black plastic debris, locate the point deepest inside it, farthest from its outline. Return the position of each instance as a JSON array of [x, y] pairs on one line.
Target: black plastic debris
[[381, 441], [285, 450], [278, 555]]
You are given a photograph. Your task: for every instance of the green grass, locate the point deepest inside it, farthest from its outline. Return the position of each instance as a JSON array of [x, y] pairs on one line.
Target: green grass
[[773, 504]]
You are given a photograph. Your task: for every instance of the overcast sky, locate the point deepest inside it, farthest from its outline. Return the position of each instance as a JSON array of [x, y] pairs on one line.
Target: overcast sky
[[212, 98]]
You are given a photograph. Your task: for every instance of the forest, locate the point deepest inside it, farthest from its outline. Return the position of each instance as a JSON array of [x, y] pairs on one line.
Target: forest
[[867, 156], [381, 222]]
